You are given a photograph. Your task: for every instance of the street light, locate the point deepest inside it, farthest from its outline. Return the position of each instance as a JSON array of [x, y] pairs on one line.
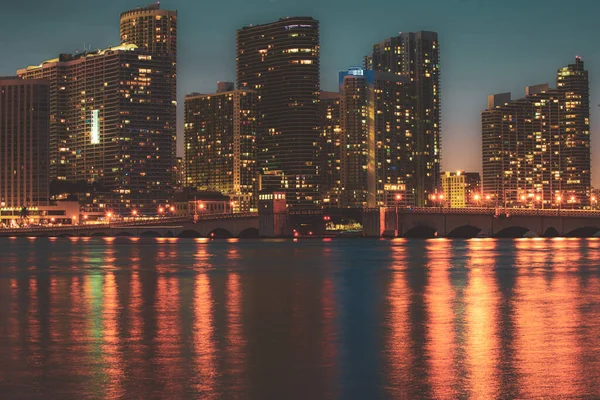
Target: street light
[[572, 202], [559, 202]]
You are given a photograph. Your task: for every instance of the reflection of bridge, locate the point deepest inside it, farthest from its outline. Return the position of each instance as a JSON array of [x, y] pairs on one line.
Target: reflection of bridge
[[471, 222], [226, 225]]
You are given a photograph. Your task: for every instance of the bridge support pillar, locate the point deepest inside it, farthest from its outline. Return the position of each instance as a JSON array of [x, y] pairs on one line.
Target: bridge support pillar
[[273, 218], [380, 222]]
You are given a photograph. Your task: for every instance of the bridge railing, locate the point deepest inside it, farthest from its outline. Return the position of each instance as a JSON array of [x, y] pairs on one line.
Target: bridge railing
[[126, 224], [501, 211]]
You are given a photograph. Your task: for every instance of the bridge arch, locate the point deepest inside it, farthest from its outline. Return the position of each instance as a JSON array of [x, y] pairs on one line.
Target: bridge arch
[[150, 234], [551, 232], [124, 233], [189, 234], [464, 232], [249, 233], [99, 234], [421, 232], [220, 233], [512, 232], [583, 232]]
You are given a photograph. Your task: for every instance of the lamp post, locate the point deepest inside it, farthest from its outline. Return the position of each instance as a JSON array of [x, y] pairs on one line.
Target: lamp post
[[572, 199], [594, 202], [559, 202], [441, 198]]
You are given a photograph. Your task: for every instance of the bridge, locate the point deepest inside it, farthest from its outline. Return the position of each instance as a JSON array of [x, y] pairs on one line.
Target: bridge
[[215, 226], [377, 222], [472, 222]]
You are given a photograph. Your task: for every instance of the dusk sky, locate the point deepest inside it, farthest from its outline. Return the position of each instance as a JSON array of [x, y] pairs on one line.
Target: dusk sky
[[487, 46]]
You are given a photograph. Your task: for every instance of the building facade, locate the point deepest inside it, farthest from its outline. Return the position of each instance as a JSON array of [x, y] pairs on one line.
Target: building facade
[[330, 148], [24, 142], [220, 145], [461, 189], [376, 140], [113, 113], [280, 61], [536, 150], [151, 29], [417, 56]]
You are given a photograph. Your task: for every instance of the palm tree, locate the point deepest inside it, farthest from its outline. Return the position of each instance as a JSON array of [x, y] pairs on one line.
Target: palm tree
[[24, 214]]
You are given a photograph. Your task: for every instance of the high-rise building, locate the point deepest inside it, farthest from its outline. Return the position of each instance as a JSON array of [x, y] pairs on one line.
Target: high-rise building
[[220, 145], [461, 189], [113, 113], [376, 141], [151, 29], [330, 149], [536, 150], [179, 174], [472, 188], [280, 60], [24, 142], [416, 55]]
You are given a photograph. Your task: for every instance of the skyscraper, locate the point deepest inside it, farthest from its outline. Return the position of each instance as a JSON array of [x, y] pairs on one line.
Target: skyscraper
[[376, 144], [416, 55], [151, 29], [113, 112], [220, 144], [280, 60], [330, 148], [24, 142], [536, 150]]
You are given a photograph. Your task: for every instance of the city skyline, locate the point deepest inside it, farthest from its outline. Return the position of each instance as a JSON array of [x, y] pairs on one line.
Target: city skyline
[[509, 65]]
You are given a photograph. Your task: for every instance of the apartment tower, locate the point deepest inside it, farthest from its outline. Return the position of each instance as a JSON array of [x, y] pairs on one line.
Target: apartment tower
[[416, 55], [536, 150], [24, 142], [220, 144], [280, 61]]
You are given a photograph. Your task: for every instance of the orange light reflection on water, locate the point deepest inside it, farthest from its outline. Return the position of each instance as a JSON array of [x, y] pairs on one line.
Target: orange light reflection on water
[[481, 301], [398, 299], [204, 346], [441, 337], [546, 316]]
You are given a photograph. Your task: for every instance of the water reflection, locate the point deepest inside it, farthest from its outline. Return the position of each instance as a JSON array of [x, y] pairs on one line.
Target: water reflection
[[170, 318]]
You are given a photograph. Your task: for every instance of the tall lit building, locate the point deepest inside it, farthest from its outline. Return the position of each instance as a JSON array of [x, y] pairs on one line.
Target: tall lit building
[[151, 29], [472, 188], [376, 141], [330, 148], [416, 55], [536, 150], [24, 142], [461, 189], [113, 113], [280, 60], [220, 144]]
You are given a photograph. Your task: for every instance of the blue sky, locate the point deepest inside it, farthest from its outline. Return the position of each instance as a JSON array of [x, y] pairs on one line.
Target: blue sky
[[487, 46]]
